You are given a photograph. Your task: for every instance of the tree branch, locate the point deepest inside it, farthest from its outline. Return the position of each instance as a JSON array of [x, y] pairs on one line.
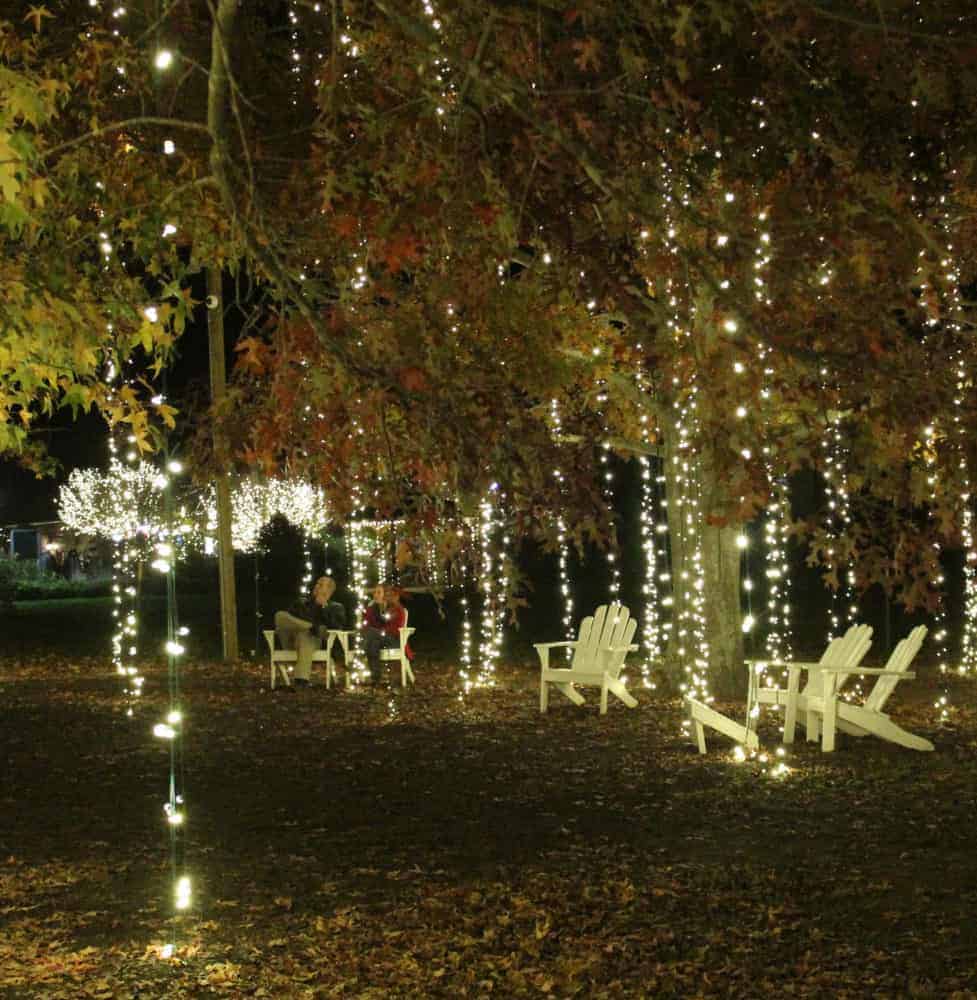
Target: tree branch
[[121, 126]]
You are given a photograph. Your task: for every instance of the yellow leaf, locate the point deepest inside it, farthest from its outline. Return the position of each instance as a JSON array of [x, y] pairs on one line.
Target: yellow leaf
[[37, 15], [39, 191], [167, 414]]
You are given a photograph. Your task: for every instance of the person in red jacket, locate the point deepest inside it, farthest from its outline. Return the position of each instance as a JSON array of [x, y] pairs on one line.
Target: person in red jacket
[[382, 622]]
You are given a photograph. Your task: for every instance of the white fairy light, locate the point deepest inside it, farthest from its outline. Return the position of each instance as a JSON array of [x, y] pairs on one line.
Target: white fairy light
[[563, 550], [182, 893], [493, 583], [614, 570], [651, 634]]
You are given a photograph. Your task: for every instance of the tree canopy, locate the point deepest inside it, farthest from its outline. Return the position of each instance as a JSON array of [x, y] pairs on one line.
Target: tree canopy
[[485, 238]]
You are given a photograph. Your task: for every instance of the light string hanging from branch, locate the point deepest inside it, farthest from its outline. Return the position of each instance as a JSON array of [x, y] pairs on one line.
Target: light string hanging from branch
[[843, 609], [493, 583], [652, 644], [932, 294], [171, 729], [468, 586], [562, 551], [955, 323]]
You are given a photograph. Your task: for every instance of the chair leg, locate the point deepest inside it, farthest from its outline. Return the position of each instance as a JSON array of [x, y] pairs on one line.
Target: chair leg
[[830, 721], [273, 673], [813, 727], [790, 716], [700, 735], [544, 695], [603, 696]]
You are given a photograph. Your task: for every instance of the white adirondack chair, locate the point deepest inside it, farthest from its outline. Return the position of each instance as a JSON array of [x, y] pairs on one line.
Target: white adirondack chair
[[281, 657], [602, 643], [702, 716], [399, 654], [843, 654], [826, 711], [846, 651]]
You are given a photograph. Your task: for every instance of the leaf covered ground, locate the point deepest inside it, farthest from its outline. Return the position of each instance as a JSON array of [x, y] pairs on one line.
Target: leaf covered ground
[[414, 844]]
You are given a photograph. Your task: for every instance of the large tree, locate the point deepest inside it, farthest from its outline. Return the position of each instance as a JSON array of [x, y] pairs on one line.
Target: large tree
[[744, 220], [710, 232]]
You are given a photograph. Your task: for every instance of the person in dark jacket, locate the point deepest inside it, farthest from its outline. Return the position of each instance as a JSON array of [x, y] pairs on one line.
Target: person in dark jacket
[[305, 629]]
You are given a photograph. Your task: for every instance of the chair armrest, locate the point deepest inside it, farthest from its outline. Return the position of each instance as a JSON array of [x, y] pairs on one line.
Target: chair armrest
[[622, 649], [800, 664], [874, 671], [543, 651], [405, 634]]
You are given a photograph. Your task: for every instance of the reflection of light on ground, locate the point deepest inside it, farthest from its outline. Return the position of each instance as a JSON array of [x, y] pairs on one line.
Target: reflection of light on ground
[[772, 766]]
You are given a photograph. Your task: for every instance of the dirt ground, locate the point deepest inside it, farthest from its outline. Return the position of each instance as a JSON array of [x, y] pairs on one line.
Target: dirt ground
[[419, 844]]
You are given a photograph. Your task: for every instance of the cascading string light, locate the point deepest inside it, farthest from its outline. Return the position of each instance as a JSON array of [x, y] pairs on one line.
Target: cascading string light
[[692, 646], [172, 728], [930, 437], [467, 587], [651, 632], [305, 587], [940, 632], [357, 554], [775, 526], [651, 636], [563, 552], [493, 583], [361, 552], [607, 489], [956, 323], [688, 635], [777, 513], [563, 566], [746, 587], [843, 610]]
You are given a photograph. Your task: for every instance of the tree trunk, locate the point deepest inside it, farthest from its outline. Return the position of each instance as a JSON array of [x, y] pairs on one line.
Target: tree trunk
[[225, 549], [721, 559], [721, 582]]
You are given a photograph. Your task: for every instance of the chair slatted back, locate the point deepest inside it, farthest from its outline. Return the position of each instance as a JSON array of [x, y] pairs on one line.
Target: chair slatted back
[[854, 653], [588, 643], [583, 640], [614, 662], [906, 649], [847, 650], [597, 632]]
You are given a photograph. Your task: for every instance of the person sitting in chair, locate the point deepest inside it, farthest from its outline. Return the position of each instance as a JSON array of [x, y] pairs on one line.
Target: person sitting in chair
[[382, 622], [305, 630]]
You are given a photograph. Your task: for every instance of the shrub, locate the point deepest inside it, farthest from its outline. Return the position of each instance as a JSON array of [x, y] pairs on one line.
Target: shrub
[[21, 580]]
